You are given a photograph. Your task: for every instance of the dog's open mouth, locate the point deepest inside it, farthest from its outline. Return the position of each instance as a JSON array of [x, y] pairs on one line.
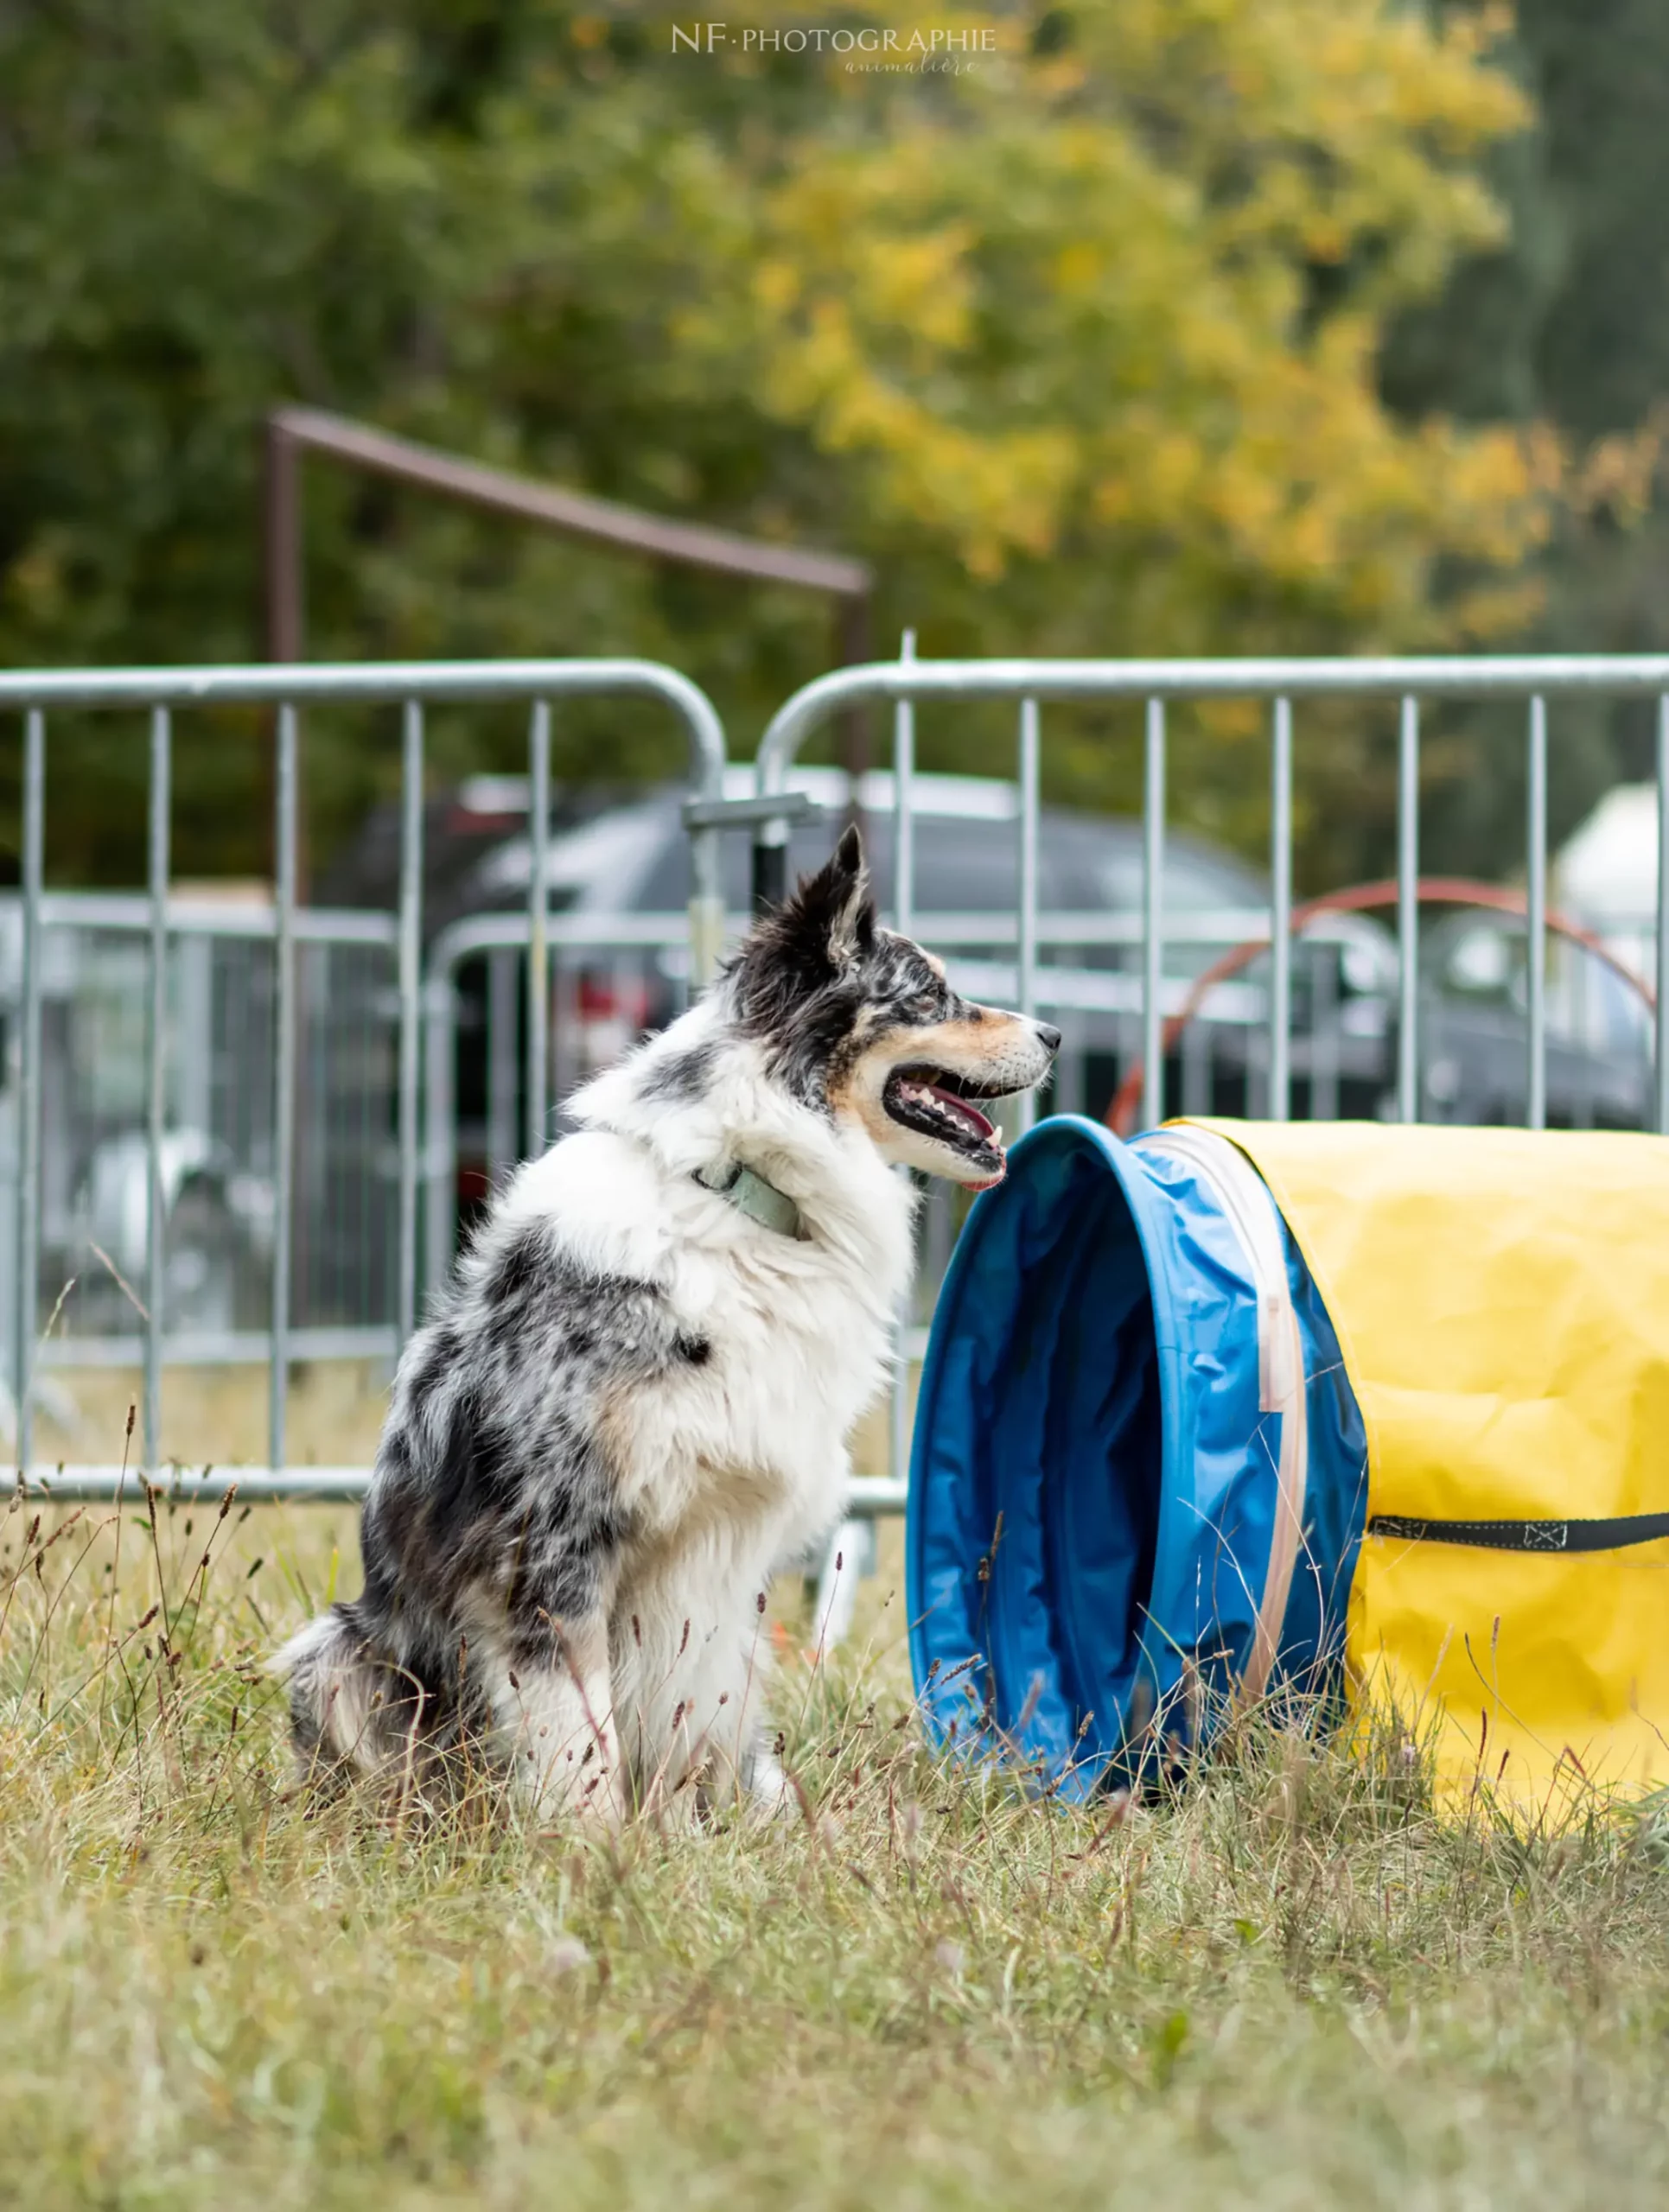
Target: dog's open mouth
[[937, 1103]]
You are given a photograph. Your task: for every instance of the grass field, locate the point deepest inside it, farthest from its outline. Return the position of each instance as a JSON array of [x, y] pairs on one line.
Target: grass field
[[1285, 1984]]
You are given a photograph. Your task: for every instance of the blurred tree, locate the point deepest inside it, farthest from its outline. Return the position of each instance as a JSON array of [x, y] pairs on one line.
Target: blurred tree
[[1080, 343], [1564, 320]]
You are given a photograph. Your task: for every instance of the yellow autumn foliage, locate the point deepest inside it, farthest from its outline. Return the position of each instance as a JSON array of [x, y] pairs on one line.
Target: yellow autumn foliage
[[1125, 302]]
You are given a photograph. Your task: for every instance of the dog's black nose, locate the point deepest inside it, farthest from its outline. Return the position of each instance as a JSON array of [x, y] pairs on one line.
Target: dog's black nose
[[1051, 1038]]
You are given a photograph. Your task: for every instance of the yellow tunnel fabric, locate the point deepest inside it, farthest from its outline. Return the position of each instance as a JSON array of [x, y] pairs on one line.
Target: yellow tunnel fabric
[[1501, 1300]]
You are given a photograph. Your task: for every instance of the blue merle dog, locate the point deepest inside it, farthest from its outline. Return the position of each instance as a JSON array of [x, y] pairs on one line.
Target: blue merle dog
[[633, 1400]]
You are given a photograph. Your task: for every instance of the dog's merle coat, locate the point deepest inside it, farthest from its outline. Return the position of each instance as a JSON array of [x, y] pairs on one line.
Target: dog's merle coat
[[632, 1400]]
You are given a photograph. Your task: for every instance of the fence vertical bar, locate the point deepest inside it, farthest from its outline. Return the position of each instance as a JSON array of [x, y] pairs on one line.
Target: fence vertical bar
[[706, 909], [1661, 979], [28, 1080], [898, 1438], [440, 1154], [411, 951], [1026, 1105], [1280, 947], [505, 997], [1536, 913], [1153, 915], [1407, 912], [157, 1086], [538, 965], [285, 849], [903, 815]]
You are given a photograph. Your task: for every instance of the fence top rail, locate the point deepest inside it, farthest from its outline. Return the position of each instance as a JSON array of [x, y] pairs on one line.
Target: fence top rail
[[303, 683], [1479, 677]]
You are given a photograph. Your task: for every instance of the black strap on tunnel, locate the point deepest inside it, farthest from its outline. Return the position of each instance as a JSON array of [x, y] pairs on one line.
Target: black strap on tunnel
[[1528, 1536]]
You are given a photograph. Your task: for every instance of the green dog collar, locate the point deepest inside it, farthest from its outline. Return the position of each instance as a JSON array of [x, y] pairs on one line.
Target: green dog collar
[[761, 1201]]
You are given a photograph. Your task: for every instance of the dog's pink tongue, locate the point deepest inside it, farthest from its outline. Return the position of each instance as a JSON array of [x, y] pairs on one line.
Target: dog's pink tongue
[[970, 1114]]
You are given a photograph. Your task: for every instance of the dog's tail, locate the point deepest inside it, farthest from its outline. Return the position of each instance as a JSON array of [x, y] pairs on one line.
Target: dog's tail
[[336, 1696]]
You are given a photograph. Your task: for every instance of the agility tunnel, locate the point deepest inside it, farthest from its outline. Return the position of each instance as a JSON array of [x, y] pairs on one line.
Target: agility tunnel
[[1374, 1413]]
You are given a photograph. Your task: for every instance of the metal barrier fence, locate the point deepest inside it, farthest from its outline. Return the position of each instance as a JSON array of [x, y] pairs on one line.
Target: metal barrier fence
[[1279, 684], [160, 693], [422, 1000]]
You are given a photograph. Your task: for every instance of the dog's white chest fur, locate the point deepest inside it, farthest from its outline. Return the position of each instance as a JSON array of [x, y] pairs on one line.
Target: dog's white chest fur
[[793, 1334]]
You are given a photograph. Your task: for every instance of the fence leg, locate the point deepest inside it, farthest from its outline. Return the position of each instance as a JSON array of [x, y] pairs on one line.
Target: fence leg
[[410, 956], [1408, 912], [28, 1084], [284, 1096], [157, 1091], [538, 965], [1280, 869], [1153, 916], [1661, 978], [1025, 1107], [1535, 915], [898, 1436]]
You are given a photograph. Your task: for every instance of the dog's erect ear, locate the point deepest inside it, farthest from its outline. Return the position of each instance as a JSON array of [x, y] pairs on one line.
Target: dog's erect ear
[[830, 920]]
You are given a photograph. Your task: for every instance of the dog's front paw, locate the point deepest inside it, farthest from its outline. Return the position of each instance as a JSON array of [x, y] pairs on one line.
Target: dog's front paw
[[601, 1804], [593, 1797], [770, 1795]]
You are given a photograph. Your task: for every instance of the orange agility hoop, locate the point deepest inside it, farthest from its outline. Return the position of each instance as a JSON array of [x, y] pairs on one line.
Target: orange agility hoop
[[1358, 898]]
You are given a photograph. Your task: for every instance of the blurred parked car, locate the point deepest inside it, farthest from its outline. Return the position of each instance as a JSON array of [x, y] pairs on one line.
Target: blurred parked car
[[630, 859]]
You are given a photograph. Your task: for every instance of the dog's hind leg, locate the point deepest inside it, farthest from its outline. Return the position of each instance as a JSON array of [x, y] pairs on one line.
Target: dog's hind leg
[[555, 1717]]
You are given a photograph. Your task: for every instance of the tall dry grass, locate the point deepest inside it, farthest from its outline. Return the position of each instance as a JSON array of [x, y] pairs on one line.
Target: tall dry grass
[[1279, 1980]]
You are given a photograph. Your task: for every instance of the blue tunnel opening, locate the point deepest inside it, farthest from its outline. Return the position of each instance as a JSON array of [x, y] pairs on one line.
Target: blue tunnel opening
[[1094, 1494], [1039, 1443]]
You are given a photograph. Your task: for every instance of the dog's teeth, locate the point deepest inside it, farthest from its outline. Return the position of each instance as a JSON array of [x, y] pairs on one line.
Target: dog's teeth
[[960, 1122]]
